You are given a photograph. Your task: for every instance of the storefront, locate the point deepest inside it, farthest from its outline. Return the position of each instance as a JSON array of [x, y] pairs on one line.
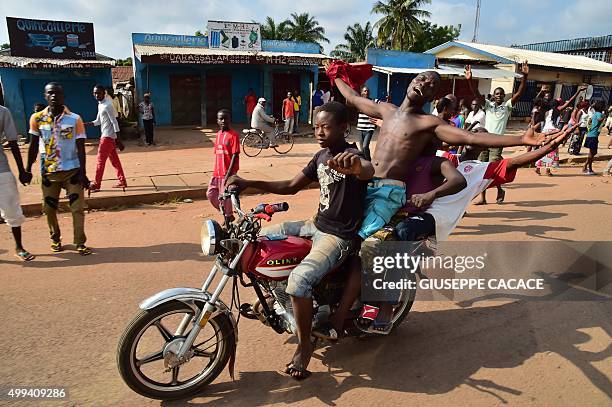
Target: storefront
[[45, 51], [189, 82]]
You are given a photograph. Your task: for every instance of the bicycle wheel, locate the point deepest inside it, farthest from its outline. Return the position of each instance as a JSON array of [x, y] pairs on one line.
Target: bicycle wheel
[[284, 142], [252, 144]]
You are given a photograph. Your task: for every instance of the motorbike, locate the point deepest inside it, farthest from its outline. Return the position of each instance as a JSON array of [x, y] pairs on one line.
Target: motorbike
[[183, 338]]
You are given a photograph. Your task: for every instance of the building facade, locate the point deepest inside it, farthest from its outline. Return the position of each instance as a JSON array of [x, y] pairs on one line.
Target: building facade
[[189, 82], [23, 79]]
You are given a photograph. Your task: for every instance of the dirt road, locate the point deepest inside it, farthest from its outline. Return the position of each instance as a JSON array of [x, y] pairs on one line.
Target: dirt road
[[62, 315]]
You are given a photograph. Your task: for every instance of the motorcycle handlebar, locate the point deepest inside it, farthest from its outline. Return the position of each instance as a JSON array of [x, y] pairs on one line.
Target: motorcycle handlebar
[[270, 209]]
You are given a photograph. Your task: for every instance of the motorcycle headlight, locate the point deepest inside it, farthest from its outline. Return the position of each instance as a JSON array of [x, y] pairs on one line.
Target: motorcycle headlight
[[210, 236]]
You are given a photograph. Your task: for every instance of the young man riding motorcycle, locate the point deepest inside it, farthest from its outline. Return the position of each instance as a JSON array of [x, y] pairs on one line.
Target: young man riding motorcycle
[[342, 174]]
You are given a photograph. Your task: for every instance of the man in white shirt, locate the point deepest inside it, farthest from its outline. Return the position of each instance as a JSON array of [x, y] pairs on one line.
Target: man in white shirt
[[260, 120], [326, 97], [477, 115], [109, 141]]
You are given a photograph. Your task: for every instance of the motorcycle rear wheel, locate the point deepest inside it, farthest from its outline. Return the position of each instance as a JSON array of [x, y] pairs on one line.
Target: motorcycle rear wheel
[[130, 366]]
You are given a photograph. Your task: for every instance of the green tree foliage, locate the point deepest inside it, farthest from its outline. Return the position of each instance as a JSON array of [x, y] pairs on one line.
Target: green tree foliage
[[358, 39], [432, 35], [400, 22], [305, 28]]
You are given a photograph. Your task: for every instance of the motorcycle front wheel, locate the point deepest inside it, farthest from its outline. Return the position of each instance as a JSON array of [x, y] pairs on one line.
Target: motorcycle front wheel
[[140, 353]]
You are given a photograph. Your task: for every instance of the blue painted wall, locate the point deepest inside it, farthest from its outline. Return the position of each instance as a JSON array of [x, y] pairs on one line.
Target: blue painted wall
[[24, 87], [258, 77], [400, 59], [399, 82]]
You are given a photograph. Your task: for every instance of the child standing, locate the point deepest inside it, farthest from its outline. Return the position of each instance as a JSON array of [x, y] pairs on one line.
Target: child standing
[[227, 152]]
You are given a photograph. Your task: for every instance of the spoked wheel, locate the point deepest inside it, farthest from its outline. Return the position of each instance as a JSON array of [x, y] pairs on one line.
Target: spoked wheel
[[148, 340], [252, 144], [285, 142]]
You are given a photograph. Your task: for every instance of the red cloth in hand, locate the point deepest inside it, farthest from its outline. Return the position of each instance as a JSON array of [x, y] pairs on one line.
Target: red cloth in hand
[[354, 75]]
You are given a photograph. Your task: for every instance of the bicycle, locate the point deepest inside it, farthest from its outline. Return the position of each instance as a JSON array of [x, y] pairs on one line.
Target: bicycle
[[253, 142]]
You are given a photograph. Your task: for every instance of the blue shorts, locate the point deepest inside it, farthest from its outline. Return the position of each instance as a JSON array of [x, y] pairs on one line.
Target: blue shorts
[[591, 143], [383, 199]]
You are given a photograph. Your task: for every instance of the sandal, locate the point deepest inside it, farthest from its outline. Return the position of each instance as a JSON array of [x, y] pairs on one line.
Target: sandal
[[24, 255], [290, 369], [56, 247], [84, 250], [326, 331]]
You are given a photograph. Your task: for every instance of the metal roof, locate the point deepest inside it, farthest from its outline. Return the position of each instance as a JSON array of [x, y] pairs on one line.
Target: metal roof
[[149, 50], [576, 44], [517, 55], [478, 71], [7, 60]]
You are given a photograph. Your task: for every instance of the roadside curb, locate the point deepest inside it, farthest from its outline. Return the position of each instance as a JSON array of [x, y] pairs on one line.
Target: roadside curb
[[35, 209]]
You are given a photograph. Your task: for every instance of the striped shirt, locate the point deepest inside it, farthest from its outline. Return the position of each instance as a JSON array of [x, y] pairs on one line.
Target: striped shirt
[[363, 123]]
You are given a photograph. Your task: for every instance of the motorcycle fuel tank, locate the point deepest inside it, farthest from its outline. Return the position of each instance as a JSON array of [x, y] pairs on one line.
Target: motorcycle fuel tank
[[275, 256]]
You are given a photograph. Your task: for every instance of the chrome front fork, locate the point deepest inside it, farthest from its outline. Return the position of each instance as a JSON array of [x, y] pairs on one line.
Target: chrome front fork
[[203, 316]]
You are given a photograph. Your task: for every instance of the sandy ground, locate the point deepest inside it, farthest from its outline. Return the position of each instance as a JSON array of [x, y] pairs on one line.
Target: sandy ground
[[62, 315]]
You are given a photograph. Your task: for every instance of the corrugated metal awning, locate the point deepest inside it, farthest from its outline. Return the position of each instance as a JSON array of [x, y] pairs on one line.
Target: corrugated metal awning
[[478, 71], [150, 50], [482, 71], [7, 60]]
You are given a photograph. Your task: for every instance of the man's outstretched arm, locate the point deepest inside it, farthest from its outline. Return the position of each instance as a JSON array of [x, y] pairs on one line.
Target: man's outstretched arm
[[456, 136], [364, 105], [287, 187], [534, 155]]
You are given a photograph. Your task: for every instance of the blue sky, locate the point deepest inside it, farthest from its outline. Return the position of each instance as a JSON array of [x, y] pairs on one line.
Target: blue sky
[[502, 22]]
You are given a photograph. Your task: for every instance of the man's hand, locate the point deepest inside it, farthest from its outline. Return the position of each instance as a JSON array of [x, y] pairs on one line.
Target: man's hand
[[468, 72], [237, 181], [119, 143], [88, 123], [25, 178], [377, 122], [84, 180], [525, 68], [532, 138], [346, 163], [422, 200]]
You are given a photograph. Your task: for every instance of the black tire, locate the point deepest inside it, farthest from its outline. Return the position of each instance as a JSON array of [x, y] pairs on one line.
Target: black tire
[[252, 144], [285, 142], [401, 312], [126, 353]]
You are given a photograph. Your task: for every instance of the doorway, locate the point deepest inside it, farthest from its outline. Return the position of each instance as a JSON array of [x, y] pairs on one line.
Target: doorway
[[281, 84], [218, 95], [185, 99]]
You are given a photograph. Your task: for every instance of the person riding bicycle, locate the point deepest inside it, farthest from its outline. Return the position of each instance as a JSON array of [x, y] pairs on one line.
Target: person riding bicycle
[[342, 174], [260, 120]]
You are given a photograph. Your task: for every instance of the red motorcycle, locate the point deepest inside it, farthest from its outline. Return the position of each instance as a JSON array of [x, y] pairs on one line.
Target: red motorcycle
[[183, 338]]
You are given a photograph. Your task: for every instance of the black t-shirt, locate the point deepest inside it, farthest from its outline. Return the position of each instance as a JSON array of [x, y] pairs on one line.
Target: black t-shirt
[[341, 203]]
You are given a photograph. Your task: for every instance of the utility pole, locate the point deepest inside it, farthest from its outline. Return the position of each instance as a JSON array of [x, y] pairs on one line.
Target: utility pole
[[477, 21]]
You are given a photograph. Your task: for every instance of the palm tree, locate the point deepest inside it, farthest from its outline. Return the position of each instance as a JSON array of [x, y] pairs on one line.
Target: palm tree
[[303, 27], [400, 22], [272, 31], [358, 40]]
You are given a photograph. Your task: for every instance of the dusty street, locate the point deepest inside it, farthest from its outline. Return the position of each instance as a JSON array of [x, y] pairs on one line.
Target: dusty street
[[63, 314]]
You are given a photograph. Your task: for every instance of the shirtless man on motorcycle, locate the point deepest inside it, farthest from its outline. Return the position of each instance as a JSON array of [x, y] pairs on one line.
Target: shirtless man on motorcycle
[[342, 175], [406, 132]]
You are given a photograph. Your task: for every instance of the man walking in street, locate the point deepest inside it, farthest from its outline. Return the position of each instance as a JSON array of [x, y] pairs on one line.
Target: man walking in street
[[109, 140], [61, 135], [10, 208], [288, 113], [250, 101], [147, 113]]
